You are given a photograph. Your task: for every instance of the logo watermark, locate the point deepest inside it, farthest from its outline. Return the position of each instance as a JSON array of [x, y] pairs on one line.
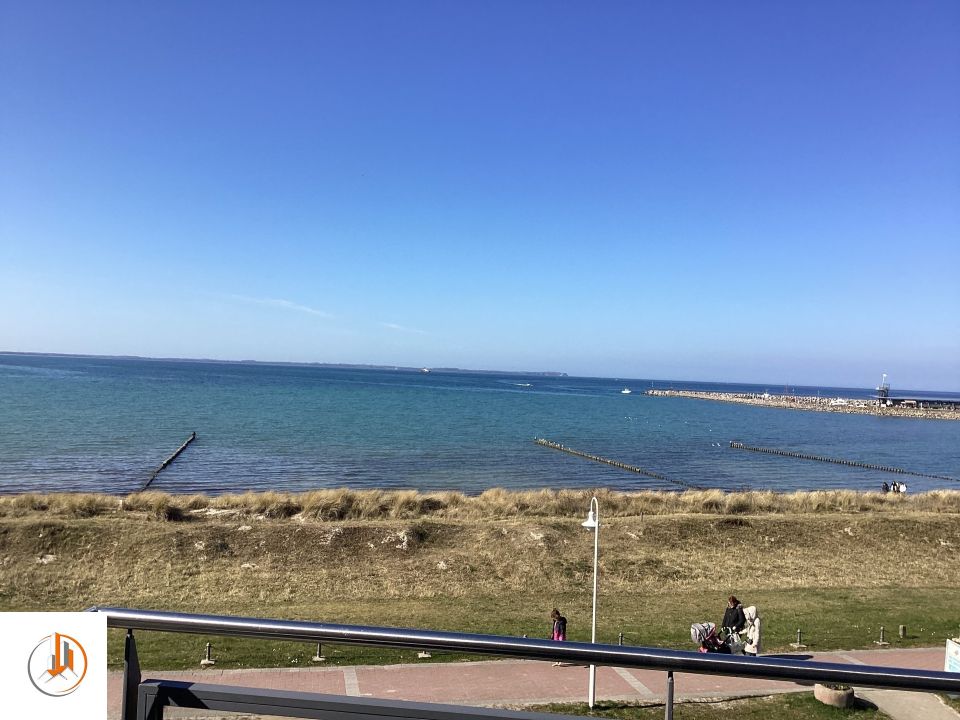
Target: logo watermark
[[57, 665]]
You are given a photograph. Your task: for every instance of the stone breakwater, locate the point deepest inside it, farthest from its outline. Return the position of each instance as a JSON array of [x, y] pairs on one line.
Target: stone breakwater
[[850, 406]]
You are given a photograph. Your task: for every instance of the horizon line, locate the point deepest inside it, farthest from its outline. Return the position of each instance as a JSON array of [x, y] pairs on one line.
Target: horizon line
[[441, 369]]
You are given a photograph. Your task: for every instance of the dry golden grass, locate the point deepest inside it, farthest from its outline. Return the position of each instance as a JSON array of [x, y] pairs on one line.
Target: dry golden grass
[[133, 558], [497, 562], [344, 504]]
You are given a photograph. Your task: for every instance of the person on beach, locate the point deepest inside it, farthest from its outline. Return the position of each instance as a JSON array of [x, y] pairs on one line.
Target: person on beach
[[559, 629], [885, 487], [733, 618], [753, 631]]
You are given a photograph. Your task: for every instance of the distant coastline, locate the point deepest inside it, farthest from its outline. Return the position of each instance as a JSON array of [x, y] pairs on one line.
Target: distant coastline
[[850, 406], [284, 363]]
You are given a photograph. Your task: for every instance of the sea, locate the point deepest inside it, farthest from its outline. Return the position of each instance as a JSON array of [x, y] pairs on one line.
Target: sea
[[72, 424]]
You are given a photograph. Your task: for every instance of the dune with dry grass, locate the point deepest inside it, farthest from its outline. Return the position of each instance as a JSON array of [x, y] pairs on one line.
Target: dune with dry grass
[[839, 563]]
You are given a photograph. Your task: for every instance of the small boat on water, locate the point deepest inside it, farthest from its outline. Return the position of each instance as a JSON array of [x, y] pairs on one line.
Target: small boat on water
[[626, 391]]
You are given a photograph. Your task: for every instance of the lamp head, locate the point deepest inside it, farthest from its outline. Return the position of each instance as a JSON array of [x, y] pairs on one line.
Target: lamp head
[[591, 522]]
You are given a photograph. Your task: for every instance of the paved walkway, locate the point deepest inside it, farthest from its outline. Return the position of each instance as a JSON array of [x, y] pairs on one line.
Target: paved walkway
[[526, 682]]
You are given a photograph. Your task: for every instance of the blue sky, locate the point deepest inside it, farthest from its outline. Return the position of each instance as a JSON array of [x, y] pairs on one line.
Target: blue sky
[[743, 191]]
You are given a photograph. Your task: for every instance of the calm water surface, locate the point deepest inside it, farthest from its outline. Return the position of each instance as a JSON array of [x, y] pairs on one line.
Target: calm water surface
[[96, 424]]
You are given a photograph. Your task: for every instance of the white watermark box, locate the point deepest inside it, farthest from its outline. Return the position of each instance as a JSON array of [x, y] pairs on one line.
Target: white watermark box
[[951, 662], [54, 665]]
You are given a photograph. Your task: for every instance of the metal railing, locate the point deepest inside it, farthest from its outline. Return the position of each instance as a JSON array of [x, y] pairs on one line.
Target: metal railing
[[669, 661]]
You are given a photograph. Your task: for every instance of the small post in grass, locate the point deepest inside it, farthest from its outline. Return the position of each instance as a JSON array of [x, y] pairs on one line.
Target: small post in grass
[[882, 641], [620, 641], [207, 660], [319, 656], [798, 645], [903, 632]]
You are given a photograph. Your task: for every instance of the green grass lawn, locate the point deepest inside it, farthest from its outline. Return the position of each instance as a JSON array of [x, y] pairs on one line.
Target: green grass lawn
[[792, 706], [831, 620]]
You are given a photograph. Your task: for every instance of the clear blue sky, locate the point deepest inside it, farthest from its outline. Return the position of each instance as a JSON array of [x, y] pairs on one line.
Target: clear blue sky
[[743, 191]]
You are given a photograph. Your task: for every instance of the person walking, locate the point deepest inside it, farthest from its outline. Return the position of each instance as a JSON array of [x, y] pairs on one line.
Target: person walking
[[559, 629], [753, 631]]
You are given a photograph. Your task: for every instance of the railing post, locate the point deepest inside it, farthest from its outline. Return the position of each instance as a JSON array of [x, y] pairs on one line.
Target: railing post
[[131, 678], [668, 708]]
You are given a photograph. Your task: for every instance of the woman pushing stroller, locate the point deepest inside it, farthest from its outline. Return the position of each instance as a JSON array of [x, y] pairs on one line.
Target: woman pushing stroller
[[736, 619]]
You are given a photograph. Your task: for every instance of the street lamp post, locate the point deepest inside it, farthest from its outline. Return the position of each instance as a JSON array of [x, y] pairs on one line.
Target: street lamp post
[[593, 523]]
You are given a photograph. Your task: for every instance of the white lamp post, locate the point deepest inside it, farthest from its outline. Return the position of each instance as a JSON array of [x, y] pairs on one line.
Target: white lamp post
[[593, 523]]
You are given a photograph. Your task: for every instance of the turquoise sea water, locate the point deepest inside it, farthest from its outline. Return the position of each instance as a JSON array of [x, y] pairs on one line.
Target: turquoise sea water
[[97, 424]]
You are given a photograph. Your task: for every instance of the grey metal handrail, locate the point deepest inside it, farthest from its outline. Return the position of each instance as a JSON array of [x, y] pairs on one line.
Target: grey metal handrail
[[779, 668]]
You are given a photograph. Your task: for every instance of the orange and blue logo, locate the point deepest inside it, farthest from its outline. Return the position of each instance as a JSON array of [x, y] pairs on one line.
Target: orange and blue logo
[[57, 665]]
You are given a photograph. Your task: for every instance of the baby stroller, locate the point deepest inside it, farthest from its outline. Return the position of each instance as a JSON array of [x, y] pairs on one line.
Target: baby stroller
[[705, 635]]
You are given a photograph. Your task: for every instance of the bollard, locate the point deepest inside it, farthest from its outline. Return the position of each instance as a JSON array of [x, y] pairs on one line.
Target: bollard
[[798, 645], [319, 656], [881, 641], [207, 660], [903, 631], [620, 642]]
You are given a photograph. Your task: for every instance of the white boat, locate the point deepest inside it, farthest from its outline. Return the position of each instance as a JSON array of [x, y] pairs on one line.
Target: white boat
[[626, 391]]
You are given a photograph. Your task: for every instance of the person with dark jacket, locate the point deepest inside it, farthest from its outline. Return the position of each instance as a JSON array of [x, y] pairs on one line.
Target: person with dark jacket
[[559, 625], [733, 618], [559, 632]]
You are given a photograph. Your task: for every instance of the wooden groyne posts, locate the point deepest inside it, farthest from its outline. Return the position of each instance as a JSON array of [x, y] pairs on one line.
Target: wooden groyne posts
[[614, 463], [153, 475], [837, 461]]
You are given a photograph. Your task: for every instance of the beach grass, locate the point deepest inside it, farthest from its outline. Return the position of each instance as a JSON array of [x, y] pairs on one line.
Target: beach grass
[[347, 504], [837, 565]]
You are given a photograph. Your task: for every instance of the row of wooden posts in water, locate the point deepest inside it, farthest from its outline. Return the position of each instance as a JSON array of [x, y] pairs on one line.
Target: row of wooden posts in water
[[163, 465], [737, 446], [615, 463], [838, 461], [639, 470]]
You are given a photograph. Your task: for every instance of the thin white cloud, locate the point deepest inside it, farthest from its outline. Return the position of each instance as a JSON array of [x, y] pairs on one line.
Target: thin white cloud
[[282, 304], [402, 328]]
